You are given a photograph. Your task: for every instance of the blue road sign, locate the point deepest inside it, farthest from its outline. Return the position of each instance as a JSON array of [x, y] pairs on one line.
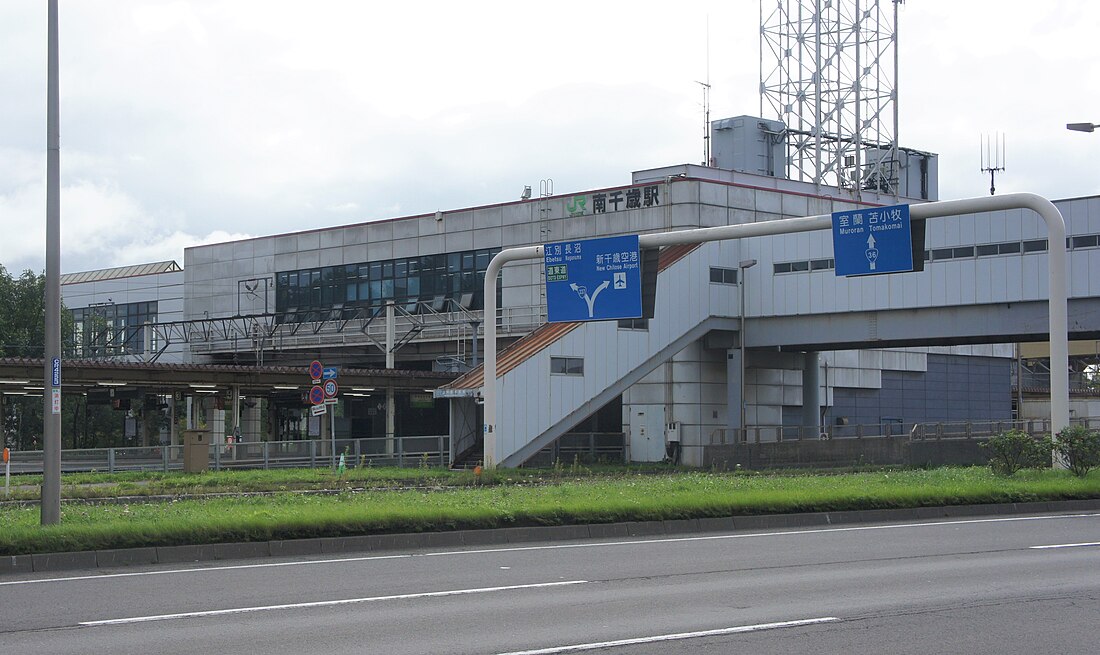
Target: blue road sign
[[56, 372], [593, 280], [872, 241], [329, 373]]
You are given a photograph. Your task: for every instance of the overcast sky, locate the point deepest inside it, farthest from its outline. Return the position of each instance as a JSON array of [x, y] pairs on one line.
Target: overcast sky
[[195, 122]]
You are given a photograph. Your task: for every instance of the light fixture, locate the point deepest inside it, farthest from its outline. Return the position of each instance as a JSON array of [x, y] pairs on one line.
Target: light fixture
[[206, 391], [15, 381], [34, 388], [285, 387], [112, 384], [1081, 127], [15, 393], [196, 385], [362, 388]]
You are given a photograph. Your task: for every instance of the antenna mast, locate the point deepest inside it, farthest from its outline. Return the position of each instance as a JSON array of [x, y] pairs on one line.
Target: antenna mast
[[992, 162], [706, 104], [828, 71]]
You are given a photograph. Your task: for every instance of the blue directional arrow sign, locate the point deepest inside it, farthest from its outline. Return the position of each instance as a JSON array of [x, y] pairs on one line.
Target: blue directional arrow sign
[[872, 241], [329, 373], [593, 279]]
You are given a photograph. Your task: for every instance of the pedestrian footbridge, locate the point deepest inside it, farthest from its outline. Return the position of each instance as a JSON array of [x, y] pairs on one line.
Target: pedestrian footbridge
[[982, 284]]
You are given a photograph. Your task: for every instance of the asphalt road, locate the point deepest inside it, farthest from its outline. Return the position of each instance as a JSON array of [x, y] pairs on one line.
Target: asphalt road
[[953, 586]]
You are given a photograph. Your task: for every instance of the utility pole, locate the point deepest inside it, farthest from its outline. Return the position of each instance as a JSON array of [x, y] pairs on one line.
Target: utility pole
[[51, 411]]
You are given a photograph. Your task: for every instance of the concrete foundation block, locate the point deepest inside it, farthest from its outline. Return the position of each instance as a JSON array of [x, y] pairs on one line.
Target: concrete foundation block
[[64, 561], [16, 564], [125, 557], [295, 547], [243, 550], [191, 553]]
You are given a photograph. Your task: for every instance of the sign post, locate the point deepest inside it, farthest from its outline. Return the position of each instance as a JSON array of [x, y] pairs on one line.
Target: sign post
[[7, 472], [331, 388]]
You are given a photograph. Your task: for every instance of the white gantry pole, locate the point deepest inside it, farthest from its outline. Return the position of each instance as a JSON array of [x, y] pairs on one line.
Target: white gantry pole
[[1056, 283]]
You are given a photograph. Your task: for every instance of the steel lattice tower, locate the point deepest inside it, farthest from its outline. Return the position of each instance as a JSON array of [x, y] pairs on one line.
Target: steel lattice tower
[[828, 70]]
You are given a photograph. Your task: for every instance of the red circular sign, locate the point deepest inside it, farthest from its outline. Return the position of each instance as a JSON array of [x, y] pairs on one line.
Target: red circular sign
[[331, 388], [315, 370], [316, 395]]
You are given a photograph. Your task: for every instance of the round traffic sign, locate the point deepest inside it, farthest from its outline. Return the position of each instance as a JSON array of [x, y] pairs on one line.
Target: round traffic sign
[[331, 388], [315, 370], [316, 395]]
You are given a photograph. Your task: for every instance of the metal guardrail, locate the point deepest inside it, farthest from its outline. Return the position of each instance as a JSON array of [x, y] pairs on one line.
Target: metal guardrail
[[400, 451], [915, 431], [586, 447]]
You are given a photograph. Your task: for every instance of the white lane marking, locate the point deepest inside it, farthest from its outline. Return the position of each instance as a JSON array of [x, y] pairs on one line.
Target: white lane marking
[[751, 535], [515, 549], [1089, 543], [199, 569], [327, 603], [673, 637]]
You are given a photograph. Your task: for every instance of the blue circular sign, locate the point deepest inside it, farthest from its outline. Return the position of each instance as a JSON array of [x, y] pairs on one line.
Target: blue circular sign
[[316, 395]]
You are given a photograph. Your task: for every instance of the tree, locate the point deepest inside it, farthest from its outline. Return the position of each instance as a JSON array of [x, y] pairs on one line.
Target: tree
[[22, 315]]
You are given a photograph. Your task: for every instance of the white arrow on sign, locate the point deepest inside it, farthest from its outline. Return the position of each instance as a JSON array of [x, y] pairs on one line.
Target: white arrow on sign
[[870, 242], [590, 300]]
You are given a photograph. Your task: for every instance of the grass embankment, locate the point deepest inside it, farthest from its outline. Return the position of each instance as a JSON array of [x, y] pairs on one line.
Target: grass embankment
[[559, 500]]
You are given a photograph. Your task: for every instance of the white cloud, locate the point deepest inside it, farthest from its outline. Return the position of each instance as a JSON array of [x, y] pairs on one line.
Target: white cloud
[[171, 246], [180, 119]]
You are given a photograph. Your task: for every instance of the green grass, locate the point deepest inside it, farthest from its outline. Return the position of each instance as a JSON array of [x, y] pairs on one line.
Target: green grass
[[529, 498]]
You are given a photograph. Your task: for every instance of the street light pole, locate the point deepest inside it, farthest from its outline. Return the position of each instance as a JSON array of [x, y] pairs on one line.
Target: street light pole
[[743, 265]]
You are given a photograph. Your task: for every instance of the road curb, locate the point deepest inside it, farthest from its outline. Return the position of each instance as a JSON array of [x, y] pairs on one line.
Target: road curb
[[102, 559]]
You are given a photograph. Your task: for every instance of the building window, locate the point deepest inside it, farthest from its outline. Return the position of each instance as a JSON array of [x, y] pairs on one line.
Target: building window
[[416, 284], [1037, 245], [723, 275], [109, 329], [634, 324], [567, 365], [1087, 241]]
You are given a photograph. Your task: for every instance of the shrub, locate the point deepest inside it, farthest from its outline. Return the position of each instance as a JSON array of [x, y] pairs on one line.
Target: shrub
[[1015, 449], [1079, 448]]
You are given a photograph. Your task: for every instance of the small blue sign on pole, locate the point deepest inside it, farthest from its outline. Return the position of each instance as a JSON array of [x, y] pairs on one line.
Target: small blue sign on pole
[[329, 373], [872, 241], [593, 279], [56, 372]]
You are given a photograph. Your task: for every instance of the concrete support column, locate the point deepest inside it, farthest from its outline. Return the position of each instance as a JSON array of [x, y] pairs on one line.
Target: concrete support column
[[390, 404], [250, 422], [173, 428], [735, 388], [391, 411], [811, 393], [215, 423]]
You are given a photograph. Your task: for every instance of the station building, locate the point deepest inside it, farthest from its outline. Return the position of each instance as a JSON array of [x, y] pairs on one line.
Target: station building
[[407, 293]]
